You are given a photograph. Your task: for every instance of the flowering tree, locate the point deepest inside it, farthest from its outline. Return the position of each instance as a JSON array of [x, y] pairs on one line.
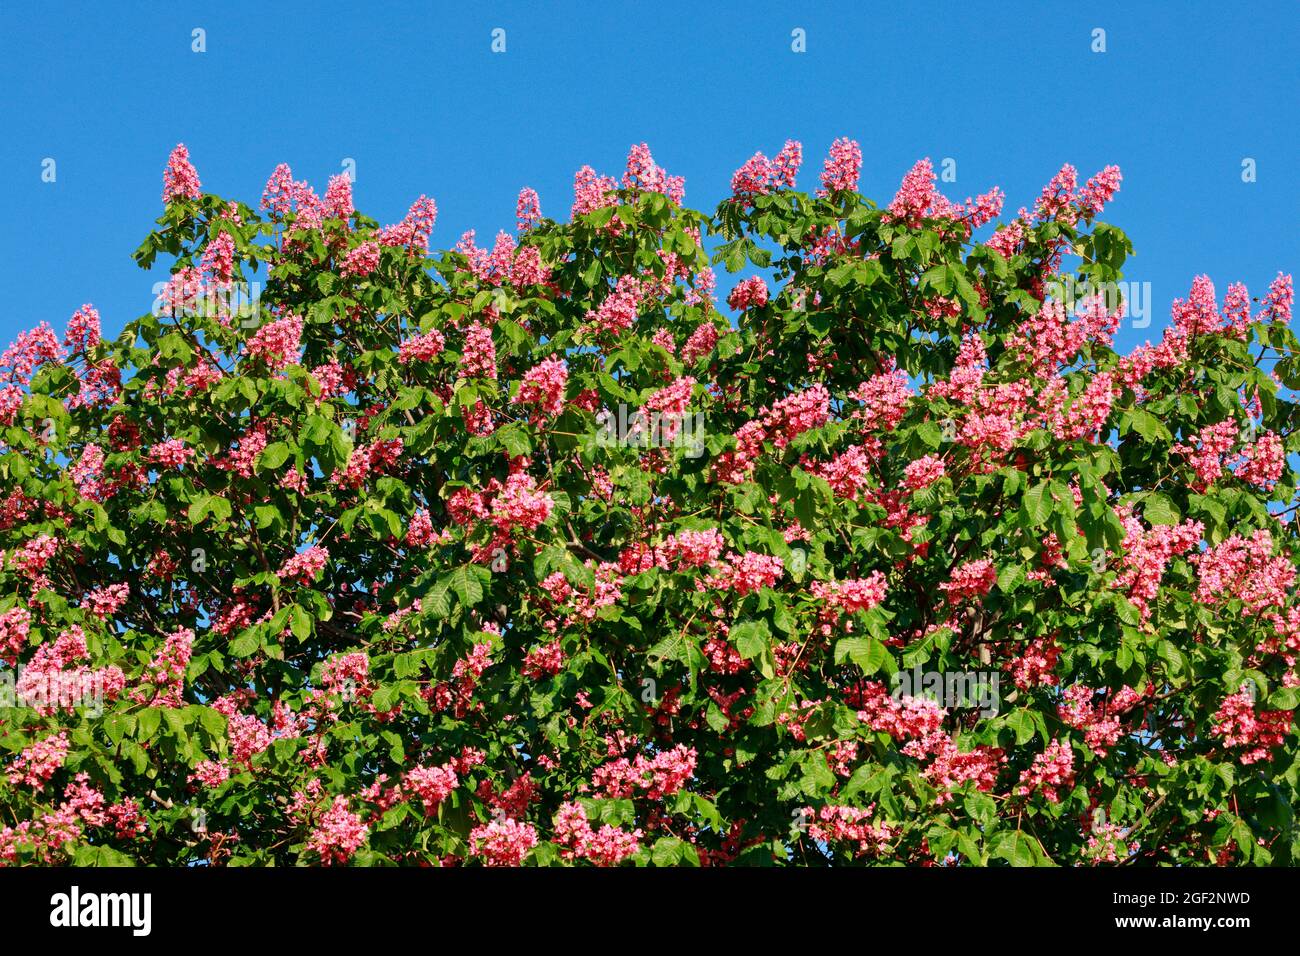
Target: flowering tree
[[530, 554]]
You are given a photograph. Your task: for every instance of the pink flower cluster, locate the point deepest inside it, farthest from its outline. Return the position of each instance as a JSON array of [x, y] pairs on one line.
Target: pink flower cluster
[[305, 565], [654, 777], [854, 594], [543, 387], [37, 764], [843, 167], [503, 842], [520, 505], [103, 603], [969, 580], [361, 261], [1238, 723], [851, 825], [413, 232], [479, 358], [591, 192], [15, 625], [528, 209], [277, 343], [760, 175], [1261, 463], [903, 717], [618, 311], [431, 785], [918, 199], [746, 573], [750, 293], [544, 661], [167, 670], [180, 180], [1099, 722], [644, 175], [923, 472], [1207, 449], [83, 332], [700, 344], [608, 846], [1147, 554], [421, 348], [173, 453], [1244, 568], [365, 460], [339, 834], [1051, 771]]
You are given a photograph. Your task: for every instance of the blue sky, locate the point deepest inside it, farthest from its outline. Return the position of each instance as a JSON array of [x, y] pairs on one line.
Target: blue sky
[[413, 93]]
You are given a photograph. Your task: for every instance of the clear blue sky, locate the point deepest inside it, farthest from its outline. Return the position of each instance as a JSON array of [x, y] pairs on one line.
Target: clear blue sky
[[413, 93]]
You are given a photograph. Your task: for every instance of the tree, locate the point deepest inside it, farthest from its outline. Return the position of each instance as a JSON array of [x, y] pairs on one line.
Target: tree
[[350, 553]]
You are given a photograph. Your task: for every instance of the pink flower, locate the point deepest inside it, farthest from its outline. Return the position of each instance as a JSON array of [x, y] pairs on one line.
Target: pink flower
[[167, 670], [180, 181], [842, 168], [750, 293], [277, 343], [362, 260], [503, 842], [1244, 568], [700, 344], [760, 175], [83, 332], [218, 261], [339, 834], [645, 176], [1209, 445], [1279, 301], [1237, 722], [420, 531], [338, 197], [1058, 195], [422, 348], [972, 579], [609, 846], [172, 453], [210, 773], [520, 505], [745, 573], [619, 310], [431, 785], [591, 192], [543, 387], [544, 661], [246, 737], [792, 416], [15, 624], [850, 825], [414, 230], [1053, 769], [479, 358], [38, 763], [528, 209], [853, 594], [305, 565], [1099, 190], [923, 472], [1261, 463]]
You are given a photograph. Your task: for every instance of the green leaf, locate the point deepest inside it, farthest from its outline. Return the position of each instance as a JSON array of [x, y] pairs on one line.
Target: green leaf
[[273, 456], [465, 584], [1036, 505], [867, 652], [753, 643]]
